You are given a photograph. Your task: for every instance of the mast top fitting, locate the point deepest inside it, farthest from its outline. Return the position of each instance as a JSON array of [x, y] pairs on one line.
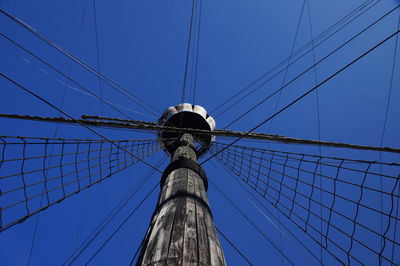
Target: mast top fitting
[[186, 115]]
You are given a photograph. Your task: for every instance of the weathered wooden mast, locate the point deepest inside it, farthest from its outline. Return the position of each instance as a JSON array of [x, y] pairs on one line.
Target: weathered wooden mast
[[182, 230]]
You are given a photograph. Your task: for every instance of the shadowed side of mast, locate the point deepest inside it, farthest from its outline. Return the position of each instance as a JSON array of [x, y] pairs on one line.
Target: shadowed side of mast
[[182, 230]]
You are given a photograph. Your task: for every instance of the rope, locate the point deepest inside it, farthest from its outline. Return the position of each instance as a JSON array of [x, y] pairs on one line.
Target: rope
[[234, 246], [106, 79], [122, 224], [66, 76], [252, 223], [310, 90], [26, 174], [313, 66], [315, 40], [142, 125], [279, 228], [185, 74], [106, 221], [289, 182]]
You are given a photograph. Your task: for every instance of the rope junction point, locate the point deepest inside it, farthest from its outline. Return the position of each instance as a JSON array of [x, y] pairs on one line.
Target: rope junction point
[[143, 125]]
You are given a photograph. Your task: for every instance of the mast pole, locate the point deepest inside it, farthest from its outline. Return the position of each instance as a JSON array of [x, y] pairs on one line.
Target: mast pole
[[182, 230]]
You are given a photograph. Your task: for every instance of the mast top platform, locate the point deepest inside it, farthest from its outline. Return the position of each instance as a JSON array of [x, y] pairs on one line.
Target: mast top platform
[[186, 115]]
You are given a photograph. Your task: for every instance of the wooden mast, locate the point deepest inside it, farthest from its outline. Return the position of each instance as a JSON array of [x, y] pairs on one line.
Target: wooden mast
[[182, 230]]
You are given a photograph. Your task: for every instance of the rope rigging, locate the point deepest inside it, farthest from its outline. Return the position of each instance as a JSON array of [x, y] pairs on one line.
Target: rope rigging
[[333, 202], [291, 183], [71, 118], [253, 224], [310, 68], [65, 85], [65, 75], [86, 66], [119, 123], [308, 92], [313, 43], [75, 165], [285, 73], [188, 50], [192, 54], [233, 246], [263, 211], [123, 223], [106, 221], [97, 52]]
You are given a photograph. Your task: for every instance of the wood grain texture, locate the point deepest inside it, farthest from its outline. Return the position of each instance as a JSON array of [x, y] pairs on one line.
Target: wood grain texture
[[182, 231]]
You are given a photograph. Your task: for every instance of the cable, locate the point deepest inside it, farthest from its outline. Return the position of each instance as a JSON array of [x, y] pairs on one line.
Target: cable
[[98, 51], [122, 224], [360, 8], [383, 244], [106, 221], [62, 74], [290, 58], [312, 66], [73, 164], [51, 151], [286, 59], [197, 52], [187, 54], [318, 111], [251, 222], [149, 126], [234, 246], [284, 177], [137, 251], [396, 223], [309, 91], [266, 216], [283, 83], [61, 111], [108, 80]]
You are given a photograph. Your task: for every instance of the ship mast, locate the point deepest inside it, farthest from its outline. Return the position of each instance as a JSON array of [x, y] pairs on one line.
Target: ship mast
[[182, 231]]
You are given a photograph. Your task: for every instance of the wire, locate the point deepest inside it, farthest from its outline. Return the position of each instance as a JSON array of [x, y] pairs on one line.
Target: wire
[[61, 111], [106, 221], [63, 74], [187, 54], [251, 222], [137, 251], [312, 66], [360, 9], [289, 183], [318, 110], [68, 167], [108, 80], [309, 91], [98, 51], [55, 134], [197, 52], [290, 58], [264, 214], [122, 224], [383, 243], [141, 126], [283, 83], [234, 246]]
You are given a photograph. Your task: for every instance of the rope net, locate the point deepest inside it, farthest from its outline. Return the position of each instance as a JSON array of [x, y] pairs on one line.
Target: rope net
[[36, 173], [349, 207]]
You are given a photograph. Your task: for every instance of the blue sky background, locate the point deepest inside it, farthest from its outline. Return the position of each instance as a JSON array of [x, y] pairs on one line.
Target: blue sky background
[[142, 45]]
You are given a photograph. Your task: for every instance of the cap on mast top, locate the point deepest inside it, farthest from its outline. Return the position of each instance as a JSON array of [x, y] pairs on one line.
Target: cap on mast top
[[186, 115]]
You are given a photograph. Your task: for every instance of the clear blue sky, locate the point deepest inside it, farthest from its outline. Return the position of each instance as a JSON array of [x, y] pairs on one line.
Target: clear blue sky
[[142, 45]]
